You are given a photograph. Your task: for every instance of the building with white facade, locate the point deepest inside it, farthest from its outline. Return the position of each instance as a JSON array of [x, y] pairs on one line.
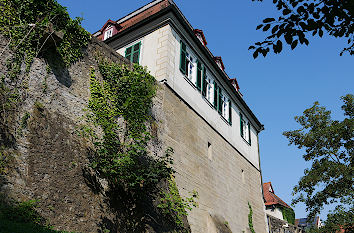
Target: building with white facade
[[212, 129]]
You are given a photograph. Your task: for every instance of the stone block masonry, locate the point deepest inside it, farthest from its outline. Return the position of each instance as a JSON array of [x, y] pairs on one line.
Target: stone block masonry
[[217, 175], [51, 159]]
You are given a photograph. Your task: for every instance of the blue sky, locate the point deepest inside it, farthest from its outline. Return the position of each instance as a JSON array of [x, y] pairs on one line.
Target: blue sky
[[276, 88]]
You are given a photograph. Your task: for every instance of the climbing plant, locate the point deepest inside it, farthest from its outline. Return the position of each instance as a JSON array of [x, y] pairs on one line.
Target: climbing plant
[[288, 215], [174, 205], [119, 110], [250, 219], [29, 24], [120, 105]]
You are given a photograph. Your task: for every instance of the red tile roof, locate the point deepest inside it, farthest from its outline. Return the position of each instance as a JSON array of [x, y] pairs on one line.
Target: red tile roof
[[270, 197], [134, 19]]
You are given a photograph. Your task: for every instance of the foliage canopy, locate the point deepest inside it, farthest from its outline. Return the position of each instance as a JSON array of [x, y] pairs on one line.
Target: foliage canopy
[[302, 18], [329, 145]]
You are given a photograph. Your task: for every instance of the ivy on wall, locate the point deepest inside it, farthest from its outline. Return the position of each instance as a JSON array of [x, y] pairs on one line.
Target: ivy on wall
[[288, 215], [29, 24], [174, 205], [119, 106], [250, 219]]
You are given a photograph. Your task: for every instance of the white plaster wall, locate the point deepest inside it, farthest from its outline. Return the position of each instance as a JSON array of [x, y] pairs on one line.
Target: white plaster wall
[[188, 92], [148, 50], [160, 52], [275, 213]]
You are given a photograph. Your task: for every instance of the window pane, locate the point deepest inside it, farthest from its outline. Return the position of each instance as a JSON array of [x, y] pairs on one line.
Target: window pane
[[184, 46], [136, 57], [136, 47], [128, 56], [128, 50]]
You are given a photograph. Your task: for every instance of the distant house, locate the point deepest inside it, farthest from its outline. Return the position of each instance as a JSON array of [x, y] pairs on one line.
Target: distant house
[[275, 206], [304, 223]]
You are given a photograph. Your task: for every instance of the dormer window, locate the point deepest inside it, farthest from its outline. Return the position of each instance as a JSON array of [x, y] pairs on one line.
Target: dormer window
[[200, 35], [108, 32], [219, 62], [200, 38]]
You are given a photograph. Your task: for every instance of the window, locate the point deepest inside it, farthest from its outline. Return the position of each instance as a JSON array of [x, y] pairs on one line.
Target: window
[[187, 63], [209, 84], [189, 67], [225, 109], [245, 129], [132, 53], [196, 72], [108, 33], [224, 105]]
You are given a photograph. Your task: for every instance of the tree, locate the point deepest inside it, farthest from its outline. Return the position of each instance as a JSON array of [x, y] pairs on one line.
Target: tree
[[301, 18], [329, 145]]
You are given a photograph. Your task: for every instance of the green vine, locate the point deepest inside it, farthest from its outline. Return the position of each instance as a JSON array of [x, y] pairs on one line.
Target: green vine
[[172, 204], [288, 215], [120, 105], [30, 24], [122, 157], [250, 219]]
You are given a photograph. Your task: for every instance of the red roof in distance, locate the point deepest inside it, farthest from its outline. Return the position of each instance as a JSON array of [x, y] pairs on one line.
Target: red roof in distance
[[271, 198]]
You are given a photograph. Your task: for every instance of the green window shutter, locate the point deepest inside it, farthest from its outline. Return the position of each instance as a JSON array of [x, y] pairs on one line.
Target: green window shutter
[[136, 53], [199, 75], [215, 95], [220, 101], [204, 83], [249, 133], [241, 125], [183, 61], [230, 112]]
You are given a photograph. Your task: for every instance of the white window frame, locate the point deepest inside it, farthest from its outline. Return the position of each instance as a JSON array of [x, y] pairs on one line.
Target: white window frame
[[246, 131], [209, 93], [191, 67], [225, 106]]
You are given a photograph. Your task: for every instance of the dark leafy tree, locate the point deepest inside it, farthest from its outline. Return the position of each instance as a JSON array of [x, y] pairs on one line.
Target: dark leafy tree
[[329, 145], [302, 18]]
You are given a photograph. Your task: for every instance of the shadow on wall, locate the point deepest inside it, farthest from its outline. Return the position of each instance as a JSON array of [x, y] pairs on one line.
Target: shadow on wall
[[217, 224], [134, 212], [57, 66]]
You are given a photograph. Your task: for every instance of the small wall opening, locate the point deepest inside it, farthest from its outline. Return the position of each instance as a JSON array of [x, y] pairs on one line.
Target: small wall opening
[[243, 175], [210, 151]]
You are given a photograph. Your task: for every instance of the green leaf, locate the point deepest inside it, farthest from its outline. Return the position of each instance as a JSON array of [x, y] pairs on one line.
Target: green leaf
[[268, 20], [294, 44], [266, 27], [286, 11]]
